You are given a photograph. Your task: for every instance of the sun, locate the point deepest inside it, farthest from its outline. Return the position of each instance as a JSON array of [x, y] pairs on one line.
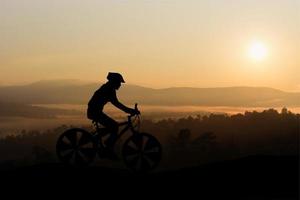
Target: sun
[[257, 51]]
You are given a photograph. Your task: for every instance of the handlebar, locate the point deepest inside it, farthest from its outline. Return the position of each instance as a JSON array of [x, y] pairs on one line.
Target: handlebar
[[130, 118], [132, 115], [135, 108]]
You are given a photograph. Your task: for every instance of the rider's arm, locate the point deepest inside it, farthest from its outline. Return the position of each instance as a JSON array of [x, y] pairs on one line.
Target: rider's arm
[[121, 106]]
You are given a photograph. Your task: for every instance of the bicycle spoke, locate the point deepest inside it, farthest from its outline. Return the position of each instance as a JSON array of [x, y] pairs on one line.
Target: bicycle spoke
[[153, 150], [132, 145], [72, 138], [66, 152], [67, 156], [87, 145], [64, 146], [150, 160], [144, 142], [66, 140], [131, 157], [79, 135]]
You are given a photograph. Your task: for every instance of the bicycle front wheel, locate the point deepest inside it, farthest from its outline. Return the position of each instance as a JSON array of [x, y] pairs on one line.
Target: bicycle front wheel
[[142, 152]]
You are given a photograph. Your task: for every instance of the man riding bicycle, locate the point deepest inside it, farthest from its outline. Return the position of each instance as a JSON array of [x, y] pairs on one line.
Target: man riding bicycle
[[107, 93]]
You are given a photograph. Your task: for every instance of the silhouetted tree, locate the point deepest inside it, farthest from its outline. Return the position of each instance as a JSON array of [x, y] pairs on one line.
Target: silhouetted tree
[[182, 139], [266, 132]]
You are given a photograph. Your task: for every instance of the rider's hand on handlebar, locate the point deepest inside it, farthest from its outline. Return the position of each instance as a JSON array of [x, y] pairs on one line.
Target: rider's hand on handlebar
[[135, 112]]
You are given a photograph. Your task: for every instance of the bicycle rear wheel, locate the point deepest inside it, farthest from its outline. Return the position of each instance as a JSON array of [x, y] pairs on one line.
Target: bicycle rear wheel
[[142, 152], [76, 147]]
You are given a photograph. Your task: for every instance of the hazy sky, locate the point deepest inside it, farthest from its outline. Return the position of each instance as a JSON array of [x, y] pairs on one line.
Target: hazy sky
[[156, 43]]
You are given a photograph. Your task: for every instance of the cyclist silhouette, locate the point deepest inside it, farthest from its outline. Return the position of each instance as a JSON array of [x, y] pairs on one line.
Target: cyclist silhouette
[[107, 93]]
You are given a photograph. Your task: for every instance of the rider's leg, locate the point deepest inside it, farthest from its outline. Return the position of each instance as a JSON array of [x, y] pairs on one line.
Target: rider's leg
[[112, 126]]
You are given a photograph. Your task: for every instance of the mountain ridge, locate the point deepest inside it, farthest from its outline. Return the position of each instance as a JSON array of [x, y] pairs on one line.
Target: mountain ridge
[[77, 92]]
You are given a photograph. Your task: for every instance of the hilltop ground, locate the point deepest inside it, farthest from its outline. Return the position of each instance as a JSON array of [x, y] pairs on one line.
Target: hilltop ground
[[253, 177]]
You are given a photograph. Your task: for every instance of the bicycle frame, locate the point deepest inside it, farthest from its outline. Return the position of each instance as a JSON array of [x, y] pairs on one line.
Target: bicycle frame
[[127, 124]]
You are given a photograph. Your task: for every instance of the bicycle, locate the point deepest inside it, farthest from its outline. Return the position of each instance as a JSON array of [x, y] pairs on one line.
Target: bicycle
[[141, 152]]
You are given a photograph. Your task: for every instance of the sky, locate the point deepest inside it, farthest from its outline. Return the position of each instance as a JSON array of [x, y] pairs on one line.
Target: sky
[[153, 43]]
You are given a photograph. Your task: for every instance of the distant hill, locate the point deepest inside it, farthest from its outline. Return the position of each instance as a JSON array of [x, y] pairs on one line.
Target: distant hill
[[77, 92], [23, 110]]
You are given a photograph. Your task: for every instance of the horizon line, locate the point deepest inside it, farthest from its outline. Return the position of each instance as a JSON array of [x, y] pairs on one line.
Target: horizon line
[[84, 82]]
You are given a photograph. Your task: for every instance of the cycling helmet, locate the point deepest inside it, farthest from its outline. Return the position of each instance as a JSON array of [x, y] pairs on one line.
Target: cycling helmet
[[115, 77]]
